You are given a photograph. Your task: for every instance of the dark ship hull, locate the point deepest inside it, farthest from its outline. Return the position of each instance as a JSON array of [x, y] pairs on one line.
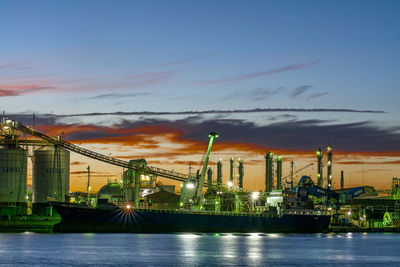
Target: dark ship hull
[[118, 220]]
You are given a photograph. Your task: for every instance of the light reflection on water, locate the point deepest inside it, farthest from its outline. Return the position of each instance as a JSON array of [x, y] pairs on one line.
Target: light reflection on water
[[199, 249]]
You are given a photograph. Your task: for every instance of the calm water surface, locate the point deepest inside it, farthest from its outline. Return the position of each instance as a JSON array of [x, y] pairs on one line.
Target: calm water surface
[[31, 249]]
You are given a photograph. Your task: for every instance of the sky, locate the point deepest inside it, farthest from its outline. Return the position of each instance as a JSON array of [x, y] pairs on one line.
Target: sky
[[151, 79]]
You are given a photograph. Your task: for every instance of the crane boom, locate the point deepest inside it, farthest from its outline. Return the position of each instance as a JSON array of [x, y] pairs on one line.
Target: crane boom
[[94, 155], [200, 184], [299, 170]]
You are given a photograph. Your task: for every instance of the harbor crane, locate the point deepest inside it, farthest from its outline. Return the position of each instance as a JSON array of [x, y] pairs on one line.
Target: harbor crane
[[192, 190], [294, 172]]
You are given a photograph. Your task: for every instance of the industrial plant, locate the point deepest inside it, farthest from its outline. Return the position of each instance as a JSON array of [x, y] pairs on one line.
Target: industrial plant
[[137, 203]]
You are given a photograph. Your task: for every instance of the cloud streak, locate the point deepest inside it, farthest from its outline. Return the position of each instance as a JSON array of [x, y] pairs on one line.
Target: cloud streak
[[16, 90], [299, 90], [253, 75], [202, 112]]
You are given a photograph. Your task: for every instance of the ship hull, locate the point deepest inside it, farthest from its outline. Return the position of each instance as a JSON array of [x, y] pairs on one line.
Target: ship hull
[[117, 220]]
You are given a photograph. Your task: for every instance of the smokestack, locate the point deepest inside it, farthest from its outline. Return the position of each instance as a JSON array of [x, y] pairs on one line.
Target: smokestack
[[342, 180], [241, 174], [319, 174], [329, 174], [231, 170], [278, 172], [219, 173], [209, 177], [268, 171]]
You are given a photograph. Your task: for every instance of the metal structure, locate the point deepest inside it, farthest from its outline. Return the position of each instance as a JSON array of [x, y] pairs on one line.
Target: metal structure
[[192, 189], [341, 179], [329, 164], [320, 167], [50, 176], [88, 184], [292, 173], [278, 172], [200, 184], [13, 175], [17, 126], [209, 177], [231, 163], [241, 173], [396, 188], [268, 172], [219, 173]]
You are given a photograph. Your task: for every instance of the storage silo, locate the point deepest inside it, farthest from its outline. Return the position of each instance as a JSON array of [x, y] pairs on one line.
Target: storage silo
[[13, 178], [50, 179]]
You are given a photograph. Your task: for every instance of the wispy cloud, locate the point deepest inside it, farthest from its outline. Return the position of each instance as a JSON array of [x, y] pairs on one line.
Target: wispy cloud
[[16, 90], [299, 90], [117, 95], [253, 75], [15, 65], [52, 118], [316, 95]]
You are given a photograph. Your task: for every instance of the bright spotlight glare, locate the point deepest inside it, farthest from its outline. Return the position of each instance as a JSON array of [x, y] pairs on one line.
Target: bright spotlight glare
[[230, 183], [254, 195], [189, 186], [128, 207]]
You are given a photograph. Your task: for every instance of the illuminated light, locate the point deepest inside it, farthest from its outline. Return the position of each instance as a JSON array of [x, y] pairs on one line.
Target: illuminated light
[[190, 236], [181, 204], [230, 184], [318, 153], [128, 207], [349, 213], [216, 234], [189, 186], [319, 175], [181, 185], [147, 178], [255, 195]]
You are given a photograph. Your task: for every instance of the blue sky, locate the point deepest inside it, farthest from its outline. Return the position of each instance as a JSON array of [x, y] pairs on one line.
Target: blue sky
[[69, 57]]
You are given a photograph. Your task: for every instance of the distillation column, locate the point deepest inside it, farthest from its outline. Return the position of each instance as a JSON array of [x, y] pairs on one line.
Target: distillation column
[[231, 171], [240, 170], [320, 166], [219, 173], [209, 177], [268, 171], [278, 172], [342, 180], [329, 174]]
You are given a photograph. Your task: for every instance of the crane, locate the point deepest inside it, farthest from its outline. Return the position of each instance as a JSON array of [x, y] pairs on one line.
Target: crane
[[192, 190], [297, 171]]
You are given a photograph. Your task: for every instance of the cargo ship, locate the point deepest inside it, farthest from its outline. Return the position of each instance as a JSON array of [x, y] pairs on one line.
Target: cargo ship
[[116, 219]]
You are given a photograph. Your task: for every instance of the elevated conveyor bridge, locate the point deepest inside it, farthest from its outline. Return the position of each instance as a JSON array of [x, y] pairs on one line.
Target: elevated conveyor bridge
[[10, 125]]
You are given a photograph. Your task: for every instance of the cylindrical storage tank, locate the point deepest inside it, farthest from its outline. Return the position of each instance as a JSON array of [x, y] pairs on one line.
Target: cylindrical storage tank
[[13, 178], [50, 177]]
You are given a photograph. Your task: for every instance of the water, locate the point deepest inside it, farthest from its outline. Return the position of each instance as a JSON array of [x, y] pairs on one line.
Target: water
[[362, 249]]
